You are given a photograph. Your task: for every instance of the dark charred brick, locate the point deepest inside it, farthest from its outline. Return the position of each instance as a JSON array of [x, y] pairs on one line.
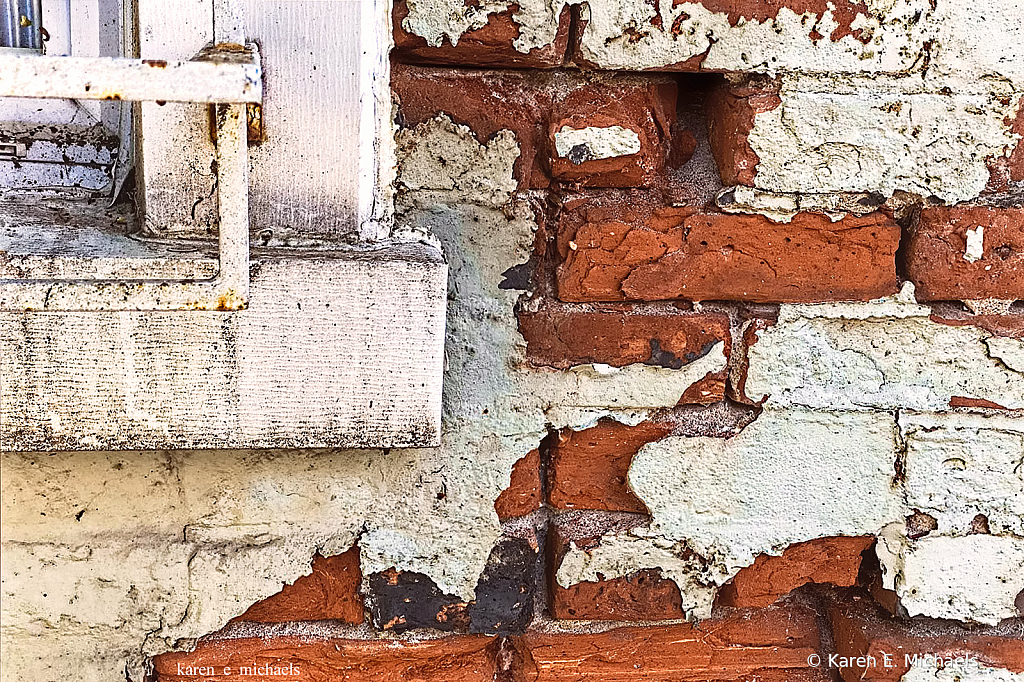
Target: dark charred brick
[[402, 600], [505, 591]]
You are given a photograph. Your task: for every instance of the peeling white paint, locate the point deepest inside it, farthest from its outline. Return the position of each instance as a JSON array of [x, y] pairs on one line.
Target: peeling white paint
[[937, 668], [976, 577], [872, 134], [621, 34], [438, 20], [591, 143], [788, 477], [975, 244], [961, 465], [233, 526], [902, 304], [879, 355]]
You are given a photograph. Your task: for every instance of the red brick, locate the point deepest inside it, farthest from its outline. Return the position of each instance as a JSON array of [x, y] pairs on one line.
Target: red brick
[[641, 596], [772, 643], [564, 336], [486, 102], [938, 243], [532, 103], [491, 45], [731, 109], [863, 628], [833, 560], [524, 493], [620, 246], [450, 659], [646, 107], [588, 468], [330, 592]]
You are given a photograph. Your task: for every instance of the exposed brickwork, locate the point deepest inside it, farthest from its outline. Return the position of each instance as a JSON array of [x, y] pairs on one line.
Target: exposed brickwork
[[862, 629], [943, 267], [464, 658], [620, 247], [615, 335], [731, 108], [524, 493], [490, 45], [631, 250], [770, 642], [641, 596], [486, 102], [826, 560], [637, 111], [588, 468], [330, 592], [537, 105]]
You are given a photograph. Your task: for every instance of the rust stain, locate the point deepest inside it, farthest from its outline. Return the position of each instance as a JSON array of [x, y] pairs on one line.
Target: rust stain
[[155, 63], [254, 123]]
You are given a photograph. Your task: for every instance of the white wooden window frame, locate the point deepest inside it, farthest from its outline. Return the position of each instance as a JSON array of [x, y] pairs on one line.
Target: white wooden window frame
[[214, 76], [342, 342], [229, 79]]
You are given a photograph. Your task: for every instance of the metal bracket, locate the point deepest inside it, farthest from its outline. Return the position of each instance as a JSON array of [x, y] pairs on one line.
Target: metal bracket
[[226, 75]]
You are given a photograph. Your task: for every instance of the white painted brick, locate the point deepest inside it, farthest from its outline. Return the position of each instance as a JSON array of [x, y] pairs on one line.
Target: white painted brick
[[878, 355], [788, 477], [959, 466], [976, 577]]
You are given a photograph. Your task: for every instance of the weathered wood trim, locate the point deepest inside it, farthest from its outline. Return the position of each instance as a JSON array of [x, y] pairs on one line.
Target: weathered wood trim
[[342, 349], [218, 76]]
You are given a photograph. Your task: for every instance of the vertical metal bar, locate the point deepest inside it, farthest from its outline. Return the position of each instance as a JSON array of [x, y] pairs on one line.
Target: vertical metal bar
[[21, 24], [233, 199]]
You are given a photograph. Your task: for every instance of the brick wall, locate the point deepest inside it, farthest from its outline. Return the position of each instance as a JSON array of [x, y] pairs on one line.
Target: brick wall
[[735, 365]]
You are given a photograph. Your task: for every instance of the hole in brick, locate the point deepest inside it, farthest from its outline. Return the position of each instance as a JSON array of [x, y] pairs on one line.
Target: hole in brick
[[920, 524], [979, 525]]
